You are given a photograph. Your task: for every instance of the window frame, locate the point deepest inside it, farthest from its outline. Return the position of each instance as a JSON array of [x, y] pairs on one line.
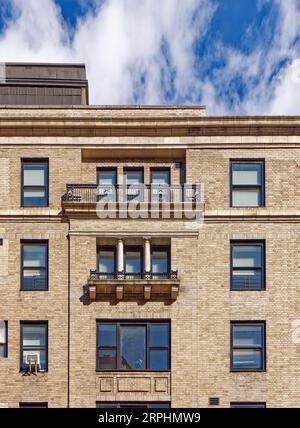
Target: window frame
[[263, 346], [45, 187], [132, 404], [107, 248], [33, 405], [246, 243], [117, 347], [154, 169], [6, 340], [166, 248], [248, 405], [133, 169], [35, 323], [134, 248], [34, 242], [262, 186]]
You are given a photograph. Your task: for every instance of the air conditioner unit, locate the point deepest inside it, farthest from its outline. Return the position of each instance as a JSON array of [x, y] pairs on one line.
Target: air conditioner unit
[[32, 360]]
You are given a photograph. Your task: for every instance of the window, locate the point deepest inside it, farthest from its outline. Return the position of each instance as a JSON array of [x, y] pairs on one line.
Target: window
[[132, 405], [247, 265], [133, 346], [133, 262], [107, 182], [134, 184], [33, 405], [160, 185], [247, 184], [35, 177], [3, 339], [248, 405], [160, 262], [34, 260], [34, 340], [106, 262], [248, 346]]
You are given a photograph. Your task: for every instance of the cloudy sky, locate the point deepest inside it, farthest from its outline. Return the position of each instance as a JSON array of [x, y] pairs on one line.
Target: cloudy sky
[[234, 56]]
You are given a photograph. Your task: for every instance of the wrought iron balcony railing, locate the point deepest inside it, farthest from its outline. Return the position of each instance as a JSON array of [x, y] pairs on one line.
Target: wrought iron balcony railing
[[93, 193], [98, 276]]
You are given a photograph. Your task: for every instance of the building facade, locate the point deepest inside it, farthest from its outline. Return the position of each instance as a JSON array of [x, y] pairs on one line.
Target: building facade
[[194, 303]]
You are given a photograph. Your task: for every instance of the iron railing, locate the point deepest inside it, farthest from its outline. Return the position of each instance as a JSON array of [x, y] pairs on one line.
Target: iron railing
[[93, 193], [98, 276]]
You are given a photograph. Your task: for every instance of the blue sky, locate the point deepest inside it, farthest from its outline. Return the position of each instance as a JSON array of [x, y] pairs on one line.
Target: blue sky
[[235, 56]]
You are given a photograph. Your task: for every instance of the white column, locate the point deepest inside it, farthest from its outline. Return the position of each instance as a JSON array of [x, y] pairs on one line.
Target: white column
[[120, 255], [147, 255]]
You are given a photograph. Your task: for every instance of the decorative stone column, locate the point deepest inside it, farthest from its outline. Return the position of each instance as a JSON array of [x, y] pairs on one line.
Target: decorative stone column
[[120, 256], [147, 255]]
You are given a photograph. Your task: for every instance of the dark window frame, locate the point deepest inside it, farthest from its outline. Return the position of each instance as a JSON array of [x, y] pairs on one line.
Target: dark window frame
[[36, 323], [134, 248], [246, 243], [166, 248], [248, 404], [133, 169], [6, 340], [45, 187], [263, 347], [117, 347], [262, 186], [33, 405], [108, 248], [132, 404], [160, 169], [44, 242]]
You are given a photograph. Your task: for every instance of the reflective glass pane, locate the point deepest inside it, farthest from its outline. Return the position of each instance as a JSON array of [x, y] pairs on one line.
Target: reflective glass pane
[[133, 347], [133, 177], [159, 335], [159, 360], [35, 198], [107, 335], [246, 279], [246, 198], [133, 261], [246, 174], [35, 174], [106, 359], [34, 336], [247, 336], [159, 261], [247, 359], [2, 351], [42, 356], [108, 177], [106, 261], [247, 256], [34, 279], [34, 255], [160, 177], [2, 331]]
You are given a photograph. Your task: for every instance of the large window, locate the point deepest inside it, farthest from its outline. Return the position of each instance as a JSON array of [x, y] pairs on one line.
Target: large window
[[34, 344], [247, 265], [248, 346], [247, 405], [134, 184], [160, 262], [133, 346], [160, 185], [133, 262], [106, 262], [34, 257], [107, 182], [247, 184], [3, 339], [132, 405], [35, 186]]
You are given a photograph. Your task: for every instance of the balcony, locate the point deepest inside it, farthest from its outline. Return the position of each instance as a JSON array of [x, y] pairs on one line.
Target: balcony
[[121, 285], [150, 201]]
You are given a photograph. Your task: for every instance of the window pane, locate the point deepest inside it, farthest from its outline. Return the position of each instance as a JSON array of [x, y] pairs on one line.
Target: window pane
[[107, 335], [35, 174], [133, 177], [34, 279], [247, 336], [133, 347], [42, 355], [160, 177], [247, 359], [246, 174], [248, 406], [2, 351], [106, 359], [246, 198], [247, 256], [34, 336], [107, 178], [2, 331], [106, 261], [247, 279], [159, 261], [159, 360], [35, 197], [34, 255], [133, 262], [159, 335]]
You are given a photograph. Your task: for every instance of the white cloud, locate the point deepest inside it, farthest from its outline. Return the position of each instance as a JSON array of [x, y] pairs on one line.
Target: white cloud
[[142, 51]]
